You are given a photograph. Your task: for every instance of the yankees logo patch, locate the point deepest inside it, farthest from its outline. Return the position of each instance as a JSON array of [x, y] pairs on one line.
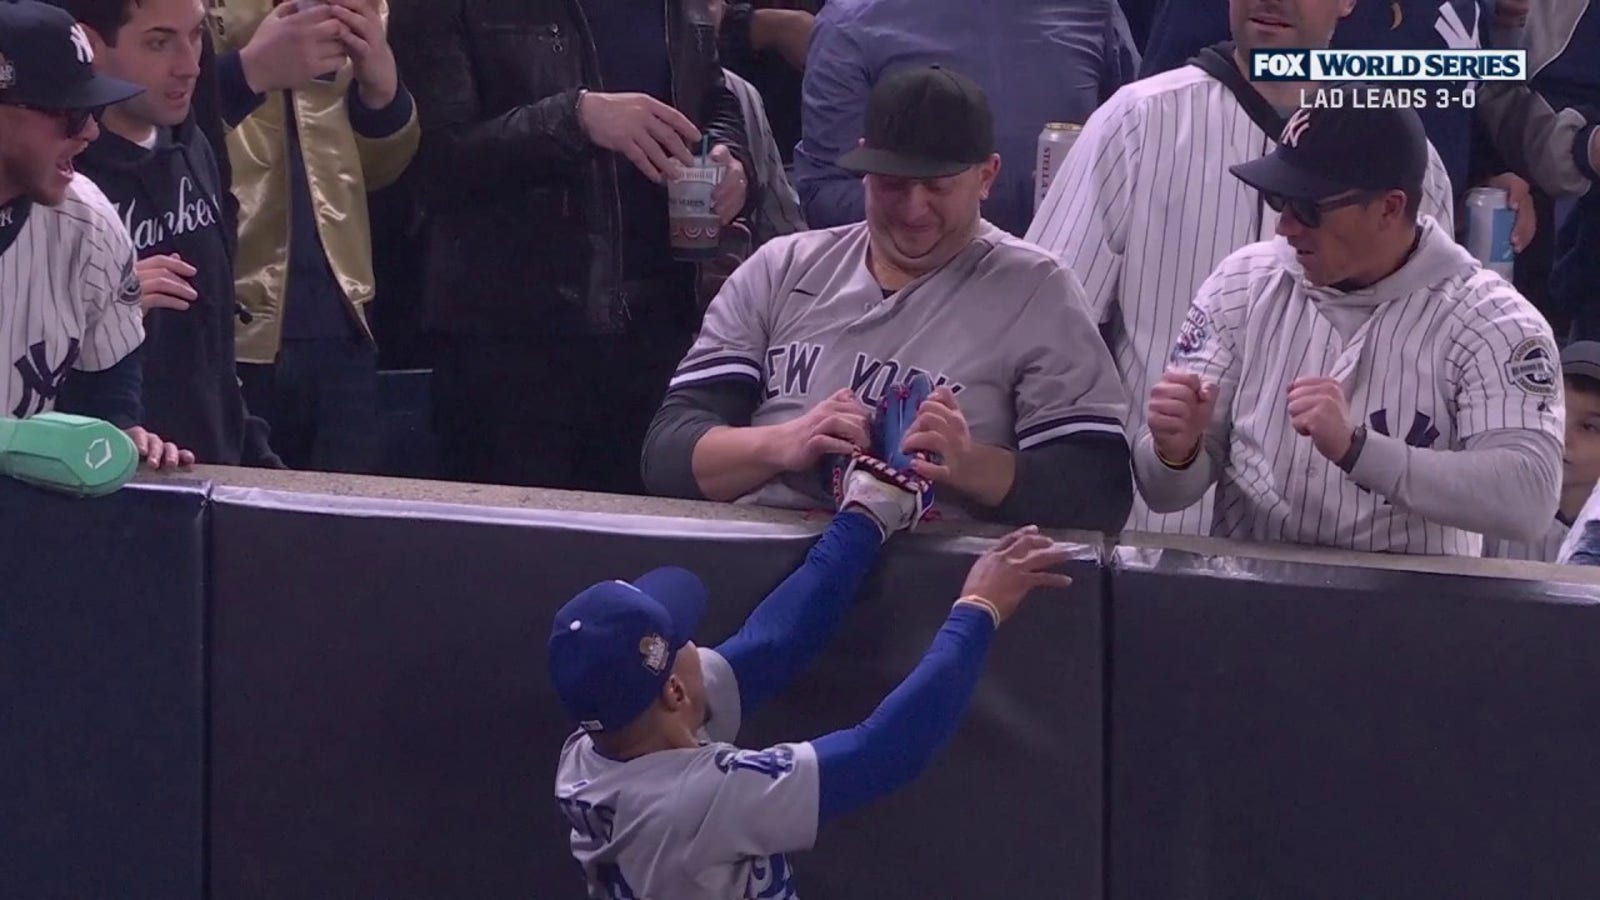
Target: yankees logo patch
[[1296, 127], [1192, 336], [1532, 367], [81, 45], [130, 292]]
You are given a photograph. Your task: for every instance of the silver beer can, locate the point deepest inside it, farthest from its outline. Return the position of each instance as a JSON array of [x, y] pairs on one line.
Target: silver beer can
[[1489, 224], [1054, 142]]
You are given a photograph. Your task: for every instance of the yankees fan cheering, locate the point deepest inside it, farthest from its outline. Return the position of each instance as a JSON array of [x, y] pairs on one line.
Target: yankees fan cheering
[[1360, 382], [1026, 422], [1140, 210], [70, 320], [660, 803]]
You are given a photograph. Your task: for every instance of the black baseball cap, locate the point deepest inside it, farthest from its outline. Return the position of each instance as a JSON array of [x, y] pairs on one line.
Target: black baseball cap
[[46, 61], [1327, 151], [1581, 358], [924, 122]]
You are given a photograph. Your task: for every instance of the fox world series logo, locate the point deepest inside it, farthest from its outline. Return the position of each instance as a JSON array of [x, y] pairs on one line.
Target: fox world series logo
[[1389, 65]]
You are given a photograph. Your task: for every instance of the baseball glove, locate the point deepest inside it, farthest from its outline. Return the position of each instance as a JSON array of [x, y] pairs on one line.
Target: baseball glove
[[883, 481]]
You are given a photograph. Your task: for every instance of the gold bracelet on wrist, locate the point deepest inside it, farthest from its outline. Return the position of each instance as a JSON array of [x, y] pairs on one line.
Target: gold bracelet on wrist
[[1193, 455], [983, 603]]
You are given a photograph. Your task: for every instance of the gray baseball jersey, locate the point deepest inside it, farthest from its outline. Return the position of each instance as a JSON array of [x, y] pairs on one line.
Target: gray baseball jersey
[[1437, 355], [69, 296], [1546, 549], [1143, 210], [708, 823], [1002, 324]]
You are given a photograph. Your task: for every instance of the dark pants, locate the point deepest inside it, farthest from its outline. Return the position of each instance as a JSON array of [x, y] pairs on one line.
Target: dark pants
[[569, 414], [321, 399]]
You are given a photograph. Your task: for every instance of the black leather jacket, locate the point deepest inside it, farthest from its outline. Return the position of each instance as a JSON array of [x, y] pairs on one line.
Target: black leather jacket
[[524, 215]]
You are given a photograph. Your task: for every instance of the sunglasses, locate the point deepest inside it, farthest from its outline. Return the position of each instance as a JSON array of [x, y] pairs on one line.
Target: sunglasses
[[73, 121], [1309, 212]]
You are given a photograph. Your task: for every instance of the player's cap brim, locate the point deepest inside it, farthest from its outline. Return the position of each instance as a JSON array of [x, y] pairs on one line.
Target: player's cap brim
[[98, 91], [1581, 358], [1272, 174], [681, 594], [877, 161]]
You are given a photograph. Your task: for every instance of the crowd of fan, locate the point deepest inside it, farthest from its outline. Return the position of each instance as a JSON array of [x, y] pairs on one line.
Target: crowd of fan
[[479, 189]]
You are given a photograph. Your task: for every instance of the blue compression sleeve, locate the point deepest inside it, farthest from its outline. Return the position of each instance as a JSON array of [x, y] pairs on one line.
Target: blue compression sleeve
[[891, 748], [785, 633]]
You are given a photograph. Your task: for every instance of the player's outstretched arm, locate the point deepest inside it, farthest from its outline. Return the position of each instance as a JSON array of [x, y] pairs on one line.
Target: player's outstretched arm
[[785, 633], [891, 748]]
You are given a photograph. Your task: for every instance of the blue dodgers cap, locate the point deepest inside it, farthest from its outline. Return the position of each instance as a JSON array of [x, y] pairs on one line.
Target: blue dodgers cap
[[613, 645]]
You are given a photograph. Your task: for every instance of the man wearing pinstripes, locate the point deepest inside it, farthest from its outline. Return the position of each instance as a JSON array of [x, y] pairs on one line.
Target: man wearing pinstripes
[[1027, 422], [1143, 208], [1361, 381], [70, 320]]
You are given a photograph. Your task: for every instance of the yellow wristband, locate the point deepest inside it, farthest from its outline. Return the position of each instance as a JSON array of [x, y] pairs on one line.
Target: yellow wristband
[[983, 603], [1193, 455]]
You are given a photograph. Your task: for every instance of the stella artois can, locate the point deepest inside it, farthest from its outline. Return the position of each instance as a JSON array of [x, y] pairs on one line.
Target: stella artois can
[[1054, 142]]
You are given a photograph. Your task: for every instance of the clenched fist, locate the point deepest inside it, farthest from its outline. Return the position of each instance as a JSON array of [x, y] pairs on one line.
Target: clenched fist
[[1180, 411], [838, 425], [1318, 410]]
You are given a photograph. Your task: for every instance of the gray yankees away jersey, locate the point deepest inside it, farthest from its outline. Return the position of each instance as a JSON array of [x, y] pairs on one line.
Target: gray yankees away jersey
[[1002, 324], [1546, 549], [1440, 356], [69, 297], [1143, 210], [708, 823]]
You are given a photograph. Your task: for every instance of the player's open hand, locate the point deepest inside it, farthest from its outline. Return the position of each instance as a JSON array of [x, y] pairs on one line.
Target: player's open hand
[[1318, 410], [1519, 199], [1180, 411], [1018, 563], [294, 44], [940, 430], [838, 425], [728, 197], [157, 453], [653, 136], [164, 282]]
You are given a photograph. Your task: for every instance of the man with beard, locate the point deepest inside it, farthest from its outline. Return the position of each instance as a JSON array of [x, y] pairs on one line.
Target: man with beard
[[1026, 422]]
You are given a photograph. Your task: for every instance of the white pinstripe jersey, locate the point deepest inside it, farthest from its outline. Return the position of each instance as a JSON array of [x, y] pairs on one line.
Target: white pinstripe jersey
[[1143, 210], [1003, 324], [69, 296], [1436, 354]]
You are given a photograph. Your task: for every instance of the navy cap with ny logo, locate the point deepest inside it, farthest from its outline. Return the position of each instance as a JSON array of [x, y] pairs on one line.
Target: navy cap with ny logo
[[47, 62], [1353, 143]]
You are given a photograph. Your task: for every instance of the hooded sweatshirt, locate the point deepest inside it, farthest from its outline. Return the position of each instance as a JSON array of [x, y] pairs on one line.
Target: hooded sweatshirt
[[169, 199], [1450, 370]]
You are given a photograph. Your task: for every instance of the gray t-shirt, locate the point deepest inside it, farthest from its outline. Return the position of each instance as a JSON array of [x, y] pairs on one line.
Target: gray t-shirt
[[1003, 324], [708, 823]]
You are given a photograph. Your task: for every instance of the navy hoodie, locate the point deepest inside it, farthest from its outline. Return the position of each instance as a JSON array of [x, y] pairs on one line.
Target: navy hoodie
[[169, 199]]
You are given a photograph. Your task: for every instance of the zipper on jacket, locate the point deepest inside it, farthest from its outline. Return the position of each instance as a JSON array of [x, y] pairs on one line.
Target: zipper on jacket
[[616, 177]]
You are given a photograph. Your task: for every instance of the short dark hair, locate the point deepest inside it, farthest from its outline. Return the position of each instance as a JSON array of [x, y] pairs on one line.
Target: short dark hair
[[1583, 384], [106, 17], [1413, 201]]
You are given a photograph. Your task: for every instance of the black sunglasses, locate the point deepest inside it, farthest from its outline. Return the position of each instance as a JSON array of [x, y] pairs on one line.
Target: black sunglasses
[[73, 120], [1309, 212]]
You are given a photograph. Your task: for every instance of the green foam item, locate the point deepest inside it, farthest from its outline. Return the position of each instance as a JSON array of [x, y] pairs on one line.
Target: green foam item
[[69, 454]]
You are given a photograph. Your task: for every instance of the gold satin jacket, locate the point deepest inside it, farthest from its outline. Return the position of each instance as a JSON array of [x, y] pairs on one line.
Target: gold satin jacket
[[341, 167]]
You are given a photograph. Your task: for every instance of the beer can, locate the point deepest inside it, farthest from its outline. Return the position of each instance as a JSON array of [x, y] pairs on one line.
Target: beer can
[[1054, 142], [1489, 223]]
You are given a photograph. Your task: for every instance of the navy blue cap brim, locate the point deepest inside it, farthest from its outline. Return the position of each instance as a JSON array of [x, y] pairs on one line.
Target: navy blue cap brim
[[876, 161], [681, 594], [1272, 174], [100, 90], [1581, 358]]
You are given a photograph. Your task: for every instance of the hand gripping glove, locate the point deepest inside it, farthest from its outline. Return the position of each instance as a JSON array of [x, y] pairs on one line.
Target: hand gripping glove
[[883, 482]]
